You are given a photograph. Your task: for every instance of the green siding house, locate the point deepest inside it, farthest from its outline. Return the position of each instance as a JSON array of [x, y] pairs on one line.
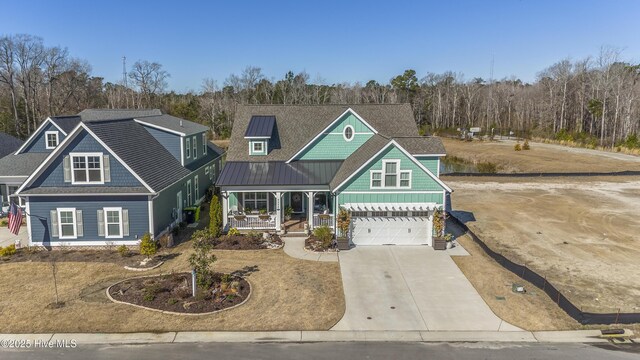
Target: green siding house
[[293, 167]]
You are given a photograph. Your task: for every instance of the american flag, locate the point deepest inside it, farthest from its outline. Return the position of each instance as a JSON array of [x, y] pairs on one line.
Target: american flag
[[15, 218]]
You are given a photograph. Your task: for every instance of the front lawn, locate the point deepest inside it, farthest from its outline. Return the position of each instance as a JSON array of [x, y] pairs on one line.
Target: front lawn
[[287, 294]]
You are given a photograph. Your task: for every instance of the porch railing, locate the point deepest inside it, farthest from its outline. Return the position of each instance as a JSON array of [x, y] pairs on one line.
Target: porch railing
[[247, 222], [323, 220]]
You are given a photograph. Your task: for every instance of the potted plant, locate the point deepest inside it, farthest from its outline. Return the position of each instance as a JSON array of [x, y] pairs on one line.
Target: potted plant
[[238, 215], [287, 213], [247, 210], [344, 224], [449, 240], [263, 215], [439, 219]]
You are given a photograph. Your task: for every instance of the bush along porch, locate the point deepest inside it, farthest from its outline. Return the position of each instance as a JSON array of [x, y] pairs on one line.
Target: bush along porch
[[295, 168]]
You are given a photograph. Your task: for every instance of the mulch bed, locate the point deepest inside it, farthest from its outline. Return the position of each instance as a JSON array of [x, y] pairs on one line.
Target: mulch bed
[[172, 292], [313, 244], [95, 256], [246, 242]]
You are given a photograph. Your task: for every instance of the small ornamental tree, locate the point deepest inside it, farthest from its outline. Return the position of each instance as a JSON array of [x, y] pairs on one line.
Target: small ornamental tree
[[526, 146], [148, 247], [202, 259], [215, 217], [344, 221], [439, 221]]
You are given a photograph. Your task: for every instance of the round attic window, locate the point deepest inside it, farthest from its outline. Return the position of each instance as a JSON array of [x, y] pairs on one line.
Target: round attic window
[[347, 133]]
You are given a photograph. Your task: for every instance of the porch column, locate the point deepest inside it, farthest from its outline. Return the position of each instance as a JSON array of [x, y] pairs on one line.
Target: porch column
[[225, 209], [278, 210], [310, 216]]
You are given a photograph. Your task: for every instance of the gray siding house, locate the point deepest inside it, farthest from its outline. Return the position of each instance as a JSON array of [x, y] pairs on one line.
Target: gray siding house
[[113, 176]]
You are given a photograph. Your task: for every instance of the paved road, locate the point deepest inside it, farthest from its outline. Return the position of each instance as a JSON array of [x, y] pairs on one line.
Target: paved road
[[410, 288], [331, 351]]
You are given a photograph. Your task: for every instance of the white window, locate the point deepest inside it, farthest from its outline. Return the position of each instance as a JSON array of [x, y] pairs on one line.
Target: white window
[[188, 148], [113, 222], [206, 170], [67, 223], [195, 147], [204, 144], [51, 139], [86, 168], [255, 201], [390, 168], [212, 169], [196, 187], [189, 193], [347, 133], [376, 178], [405, 178], [257, 147]]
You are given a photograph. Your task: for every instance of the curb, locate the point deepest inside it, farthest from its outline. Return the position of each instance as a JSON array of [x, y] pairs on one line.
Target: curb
[[581, 336]]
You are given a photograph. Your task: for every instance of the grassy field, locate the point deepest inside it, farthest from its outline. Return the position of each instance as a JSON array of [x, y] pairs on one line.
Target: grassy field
[[288, 294], [541, 157]]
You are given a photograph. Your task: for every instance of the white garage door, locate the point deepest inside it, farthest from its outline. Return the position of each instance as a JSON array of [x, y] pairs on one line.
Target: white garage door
[[391, 230]]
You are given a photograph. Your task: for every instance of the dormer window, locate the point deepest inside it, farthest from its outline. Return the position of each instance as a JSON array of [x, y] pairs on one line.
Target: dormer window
[[257, 147], [259, 132], [51, 139], [188, 148]]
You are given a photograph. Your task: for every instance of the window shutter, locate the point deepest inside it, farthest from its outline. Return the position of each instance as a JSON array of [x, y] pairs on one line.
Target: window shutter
[[106, 166], [79, 223], [54, 223], [67, 168], [100, 222], [125, 222]]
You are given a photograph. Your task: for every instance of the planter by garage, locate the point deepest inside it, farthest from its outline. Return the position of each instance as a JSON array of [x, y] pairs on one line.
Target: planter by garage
[[439, 243], [343, 243]]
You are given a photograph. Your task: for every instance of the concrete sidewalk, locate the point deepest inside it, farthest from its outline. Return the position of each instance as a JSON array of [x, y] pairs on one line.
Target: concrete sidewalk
[[582, 336], [294, 247]]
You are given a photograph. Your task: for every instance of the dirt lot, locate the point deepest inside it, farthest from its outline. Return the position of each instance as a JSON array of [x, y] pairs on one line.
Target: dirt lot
[[580, 233], [287, 294], [541, 157]]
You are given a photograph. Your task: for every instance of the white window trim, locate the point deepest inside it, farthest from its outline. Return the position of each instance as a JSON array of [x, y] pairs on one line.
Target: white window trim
[[85, 155], [196, 187], [254, 200], [371, 179], [188, 147], [189, 193], [206, 170], [194, 141], [384, 173], [46, 139], [344, 133], [106, 223], [204, 144], [253, 147], [410, 172], [75, 223]]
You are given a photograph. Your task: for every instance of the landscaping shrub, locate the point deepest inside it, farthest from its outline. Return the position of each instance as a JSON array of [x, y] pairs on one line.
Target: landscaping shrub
[[182, 225], [8, 251], [439, 221], [148, 247], [4, 222], [517, 147], [233, 232], [526, 146], [344, 221], [123, 250], [215, 217], [175, 231], [323, 233], [487, 168], [253, 234]]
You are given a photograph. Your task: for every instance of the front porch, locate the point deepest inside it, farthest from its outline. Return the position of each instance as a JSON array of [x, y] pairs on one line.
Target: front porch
[[290, 211]]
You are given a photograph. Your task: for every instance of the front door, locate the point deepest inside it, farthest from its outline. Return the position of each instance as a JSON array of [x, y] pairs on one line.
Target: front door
[[296, 202]]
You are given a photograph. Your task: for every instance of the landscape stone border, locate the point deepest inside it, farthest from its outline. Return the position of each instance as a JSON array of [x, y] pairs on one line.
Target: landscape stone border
[[173, 312], [144, 269]]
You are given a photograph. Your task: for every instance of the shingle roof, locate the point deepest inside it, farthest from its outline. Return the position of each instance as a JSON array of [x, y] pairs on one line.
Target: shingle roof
[[422, 145], [140, 151], [66, 123], [260, 126], [22, 164], [359, 158], [8, 144], [85, 190], [298, 124], [114, 114], [174, 123], [278, 173]]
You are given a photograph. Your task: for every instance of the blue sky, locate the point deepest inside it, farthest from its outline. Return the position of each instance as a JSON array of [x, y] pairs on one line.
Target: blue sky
[[335, 40]]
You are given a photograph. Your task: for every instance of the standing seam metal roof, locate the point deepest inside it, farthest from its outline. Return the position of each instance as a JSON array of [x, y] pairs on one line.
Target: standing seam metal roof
[[260, 126]]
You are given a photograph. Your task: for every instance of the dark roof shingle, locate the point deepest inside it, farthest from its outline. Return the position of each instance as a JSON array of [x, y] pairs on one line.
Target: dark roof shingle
[[22, 164], [8, 144], [88, 115], [140, 151], [66, 123], [359, 158], [85, 190], [422, 145]]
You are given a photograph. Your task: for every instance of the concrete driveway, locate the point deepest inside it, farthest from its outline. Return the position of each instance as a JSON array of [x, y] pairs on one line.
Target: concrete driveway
[[410, 288], [7, 238]]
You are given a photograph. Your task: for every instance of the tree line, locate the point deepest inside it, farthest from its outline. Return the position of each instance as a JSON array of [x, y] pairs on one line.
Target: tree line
[[592, 100]]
